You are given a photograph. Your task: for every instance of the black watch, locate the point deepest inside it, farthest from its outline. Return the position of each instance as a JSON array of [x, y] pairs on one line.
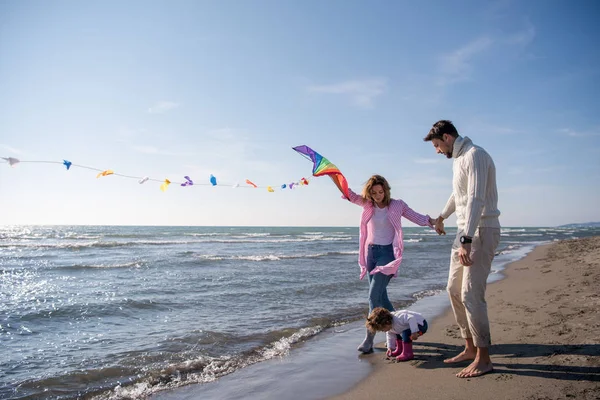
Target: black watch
[[465, 240]]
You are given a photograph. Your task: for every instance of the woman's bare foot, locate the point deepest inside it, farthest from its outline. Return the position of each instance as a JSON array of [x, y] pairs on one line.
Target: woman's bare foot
[[465, 355], [476, 368]]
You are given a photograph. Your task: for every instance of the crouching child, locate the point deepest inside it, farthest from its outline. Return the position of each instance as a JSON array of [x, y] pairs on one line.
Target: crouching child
[[402, 328]]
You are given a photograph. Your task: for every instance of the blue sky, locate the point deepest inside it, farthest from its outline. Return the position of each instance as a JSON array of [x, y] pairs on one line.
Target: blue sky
[[167, 89]]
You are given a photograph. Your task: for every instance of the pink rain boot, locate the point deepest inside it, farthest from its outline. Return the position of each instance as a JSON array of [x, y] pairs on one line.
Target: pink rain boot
[[407, 352], [398, 351]]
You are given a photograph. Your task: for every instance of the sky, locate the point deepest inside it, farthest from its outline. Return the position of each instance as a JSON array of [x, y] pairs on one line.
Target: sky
[[168, 89]]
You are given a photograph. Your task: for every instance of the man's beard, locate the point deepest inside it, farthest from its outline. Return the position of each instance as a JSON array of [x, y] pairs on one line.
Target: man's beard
[[448, 154]]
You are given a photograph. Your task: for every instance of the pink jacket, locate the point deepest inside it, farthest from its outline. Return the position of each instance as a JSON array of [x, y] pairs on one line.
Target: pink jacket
[[396, 210]]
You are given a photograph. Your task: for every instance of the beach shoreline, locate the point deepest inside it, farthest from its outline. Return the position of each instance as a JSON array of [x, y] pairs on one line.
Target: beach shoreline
[[560, 361], [545, 329]]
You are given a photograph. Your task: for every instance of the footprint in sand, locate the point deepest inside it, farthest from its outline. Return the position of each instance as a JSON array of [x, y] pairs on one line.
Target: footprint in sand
[[452, 332]]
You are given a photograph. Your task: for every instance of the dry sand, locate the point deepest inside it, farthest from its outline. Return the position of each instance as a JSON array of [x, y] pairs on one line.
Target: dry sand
[[545, 324]]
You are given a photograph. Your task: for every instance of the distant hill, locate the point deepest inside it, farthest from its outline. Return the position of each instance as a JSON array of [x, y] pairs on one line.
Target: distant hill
[[581, 225]]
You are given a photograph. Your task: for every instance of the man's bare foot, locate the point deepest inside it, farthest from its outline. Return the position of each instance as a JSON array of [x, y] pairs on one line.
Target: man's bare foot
[[476, 368], [463, 356]]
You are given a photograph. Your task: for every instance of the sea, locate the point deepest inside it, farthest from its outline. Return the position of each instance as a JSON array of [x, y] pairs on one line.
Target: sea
[[123, 312]]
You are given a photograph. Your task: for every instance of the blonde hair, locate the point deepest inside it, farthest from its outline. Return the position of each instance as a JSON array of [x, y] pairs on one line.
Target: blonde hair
[[374, 181], [379, 319]]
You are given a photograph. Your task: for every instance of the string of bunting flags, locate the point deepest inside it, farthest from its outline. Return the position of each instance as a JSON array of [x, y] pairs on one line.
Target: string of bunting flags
[[321, 166], [164, 184]]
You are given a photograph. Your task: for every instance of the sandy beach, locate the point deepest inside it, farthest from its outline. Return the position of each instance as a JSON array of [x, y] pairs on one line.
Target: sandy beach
[[545, 324]]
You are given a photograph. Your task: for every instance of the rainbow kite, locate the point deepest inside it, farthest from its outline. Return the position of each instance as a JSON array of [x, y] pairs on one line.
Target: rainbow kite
[[322, 166]]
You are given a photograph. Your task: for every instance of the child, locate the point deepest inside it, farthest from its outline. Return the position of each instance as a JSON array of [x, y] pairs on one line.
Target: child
[[381, 244], [408, 325]]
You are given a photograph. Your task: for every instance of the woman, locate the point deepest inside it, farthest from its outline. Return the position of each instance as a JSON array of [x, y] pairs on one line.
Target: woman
[[381, 241]]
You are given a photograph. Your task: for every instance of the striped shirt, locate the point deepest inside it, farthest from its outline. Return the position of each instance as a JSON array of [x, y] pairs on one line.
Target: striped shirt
[[474, 193], [396, 210]]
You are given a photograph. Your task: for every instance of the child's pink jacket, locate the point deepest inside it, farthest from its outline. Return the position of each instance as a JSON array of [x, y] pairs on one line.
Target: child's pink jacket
[[396, 210]]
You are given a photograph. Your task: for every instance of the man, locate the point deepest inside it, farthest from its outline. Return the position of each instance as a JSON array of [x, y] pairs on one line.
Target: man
[[474, 198]]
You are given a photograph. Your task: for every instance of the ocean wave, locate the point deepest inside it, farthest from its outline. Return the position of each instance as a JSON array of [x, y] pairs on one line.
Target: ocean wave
[[508, 249], [231, 234], [55, 309], [138, 379], [272, 257], [203, 369], [42, 234], [69, 245], [132, 264], [110, 244], [326, 233], [406, 234], [274, 240], [437, 289], [207, 234]]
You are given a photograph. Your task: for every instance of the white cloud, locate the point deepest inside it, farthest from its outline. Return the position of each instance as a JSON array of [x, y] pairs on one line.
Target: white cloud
[[162, 107], [227, 144], [362, 93], [524, 37], [479, 125], [10, 149], [579, 134], [231, 153], [457, 66]]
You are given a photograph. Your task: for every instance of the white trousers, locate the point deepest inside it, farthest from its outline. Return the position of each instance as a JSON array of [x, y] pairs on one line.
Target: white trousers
[[467, 285]]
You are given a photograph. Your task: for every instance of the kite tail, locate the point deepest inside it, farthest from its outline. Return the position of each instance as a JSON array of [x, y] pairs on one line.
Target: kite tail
[[341, 183]]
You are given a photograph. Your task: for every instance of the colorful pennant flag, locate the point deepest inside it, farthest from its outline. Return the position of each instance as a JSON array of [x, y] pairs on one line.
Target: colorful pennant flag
[[11, 161], [165, 185], [188, 181], [105, 173]]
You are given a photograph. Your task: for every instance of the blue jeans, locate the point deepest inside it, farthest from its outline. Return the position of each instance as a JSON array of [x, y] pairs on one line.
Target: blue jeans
[[379, 255], [406, 333]]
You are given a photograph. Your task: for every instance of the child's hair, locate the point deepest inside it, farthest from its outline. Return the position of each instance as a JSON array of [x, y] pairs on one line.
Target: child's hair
[[378, 319], [373, 181]]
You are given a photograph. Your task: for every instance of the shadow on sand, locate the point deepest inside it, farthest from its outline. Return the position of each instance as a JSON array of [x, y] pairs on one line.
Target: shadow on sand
[[524, 359]]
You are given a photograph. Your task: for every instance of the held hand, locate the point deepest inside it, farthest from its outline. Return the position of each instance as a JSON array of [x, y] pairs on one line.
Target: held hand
[[464, 254], [414, 335], [439, 226]]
